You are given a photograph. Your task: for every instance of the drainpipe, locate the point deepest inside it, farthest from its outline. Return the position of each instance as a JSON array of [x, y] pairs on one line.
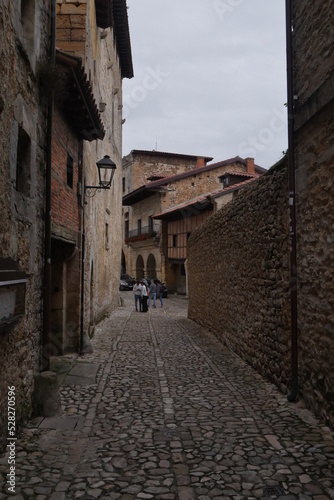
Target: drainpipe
[[46, 341], [292, 205], [82, 303]]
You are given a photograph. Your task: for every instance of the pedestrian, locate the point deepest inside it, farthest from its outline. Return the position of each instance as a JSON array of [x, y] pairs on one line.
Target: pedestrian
[[137, 292], [152, 294], [143, 297], [159, 292]]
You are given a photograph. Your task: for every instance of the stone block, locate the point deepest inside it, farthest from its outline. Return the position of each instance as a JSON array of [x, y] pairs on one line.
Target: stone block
[[46, 395], [73, 9], [78, 35]]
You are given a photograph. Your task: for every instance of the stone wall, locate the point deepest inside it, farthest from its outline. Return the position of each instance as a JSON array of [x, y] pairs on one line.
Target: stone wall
[[313, 44], [24, 41], [196, 185], [238, 275], [103, 211], [138, 166]]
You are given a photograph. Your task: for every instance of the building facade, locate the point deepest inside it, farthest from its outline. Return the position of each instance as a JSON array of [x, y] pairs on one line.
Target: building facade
[[142, 251], [93, 56], [156, 228], [180, 221], [60, 113], [313, 84], [24, 41]]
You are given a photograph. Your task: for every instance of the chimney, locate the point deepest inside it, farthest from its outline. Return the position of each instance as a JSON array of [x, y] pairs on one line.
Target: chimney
[[200, 162], [250, 166]]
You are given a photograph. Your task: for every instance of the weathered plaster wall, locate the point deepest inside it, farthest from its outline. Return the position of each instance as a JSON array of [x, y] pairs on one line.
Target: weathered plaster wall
[[23, 43], [238, 276], [103, 212]]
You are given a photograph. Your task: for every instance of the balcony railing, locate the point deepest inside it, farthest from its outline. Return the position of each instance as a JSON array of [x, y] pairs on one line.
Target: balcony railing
[[144, 233]]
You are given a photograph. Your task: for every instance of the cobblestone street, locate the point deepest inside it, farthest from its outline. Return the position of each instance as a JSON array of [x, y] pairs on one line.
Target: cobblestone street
[[162, 410]]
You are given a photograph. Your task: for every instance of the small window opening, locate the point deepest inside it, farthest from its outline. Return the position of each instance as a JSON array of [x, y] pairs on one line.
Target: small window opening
[[174, 240], [126, 228], [28, 21], [23, 162], [69, 171], [107, 236]]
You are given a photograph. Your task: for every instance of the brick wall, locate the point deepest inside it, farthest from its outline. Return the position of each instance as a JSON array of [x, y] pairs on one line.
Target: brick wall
[[65, 206], [238, 276]]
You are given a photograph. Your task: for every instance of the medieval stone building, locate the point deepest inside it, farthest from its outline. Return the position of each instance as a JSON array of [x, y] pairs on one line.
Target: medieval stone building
[[93, 56], [313, 89], [62, 66], [156, 227], [24, 28]]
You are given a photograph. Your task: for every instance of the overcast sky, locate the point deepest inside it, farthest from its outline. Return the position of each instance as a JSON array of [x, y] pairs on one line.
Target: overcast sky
[[210, 78]]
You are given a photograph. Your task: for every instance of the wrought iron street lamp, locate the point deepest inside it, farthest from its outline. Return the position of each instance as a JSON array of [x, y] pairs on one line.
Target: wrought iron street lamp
[[106, 169]]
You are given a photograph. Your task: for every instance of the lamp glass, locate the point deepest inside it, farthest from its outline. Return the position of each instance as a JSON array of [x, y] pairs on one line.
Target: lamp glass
[[106, 168]]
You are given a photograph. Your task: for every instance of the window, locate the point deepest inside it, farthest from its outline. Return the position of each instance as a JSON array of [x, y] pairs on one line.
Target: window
[[28, 22], [123, 184], [188, 236], [69, 171], [107, 236], [23, 163], [139, 227], [174, 240]]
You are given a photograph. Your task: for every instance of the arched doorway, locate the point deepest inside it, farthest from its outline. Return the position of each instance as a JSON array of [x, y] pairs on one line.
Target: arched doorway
[[139, 267], [151, 267]]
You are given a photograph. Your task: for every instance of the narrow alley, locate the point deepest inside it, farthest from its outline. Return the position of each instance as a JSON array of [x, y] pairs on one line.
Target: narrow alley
[[162, 410]]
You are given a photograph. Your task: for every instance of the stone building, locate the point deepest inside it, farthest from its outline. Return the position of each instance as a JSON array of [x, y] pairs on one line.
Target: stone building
[[60, 113], [141, 251], [24, 27], [180, 221], [93, 56], [313, 88], [151, 249]]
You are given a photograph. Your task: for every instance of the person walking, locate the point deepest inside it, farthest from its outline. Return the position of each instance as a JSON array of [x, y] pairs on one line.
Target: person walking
[[159, 292], [143, 297], [153, 294], [137, 292]]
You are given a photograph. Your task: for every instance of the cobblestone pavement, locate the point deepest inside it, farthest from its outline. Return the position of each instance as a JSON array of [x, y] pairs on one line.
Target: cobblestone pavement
[[170, 414]]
